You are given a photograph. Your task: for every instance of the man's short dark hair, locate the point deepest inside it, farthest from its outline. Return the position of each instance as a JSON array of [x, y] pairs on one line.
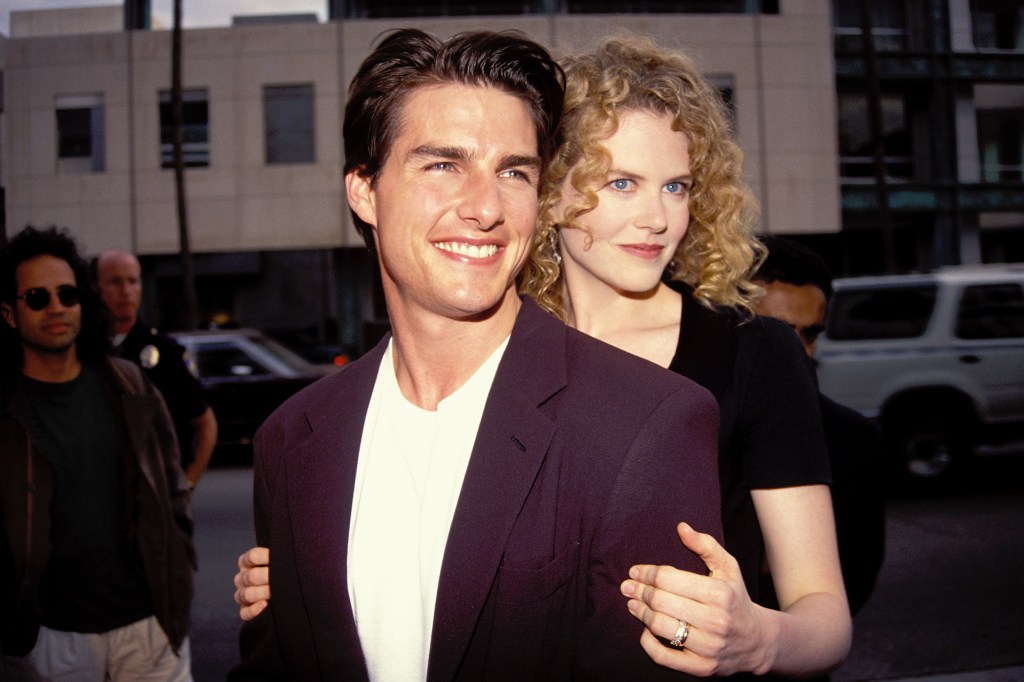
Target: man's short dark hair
[[791, 262], [408, 59], [92, 342]]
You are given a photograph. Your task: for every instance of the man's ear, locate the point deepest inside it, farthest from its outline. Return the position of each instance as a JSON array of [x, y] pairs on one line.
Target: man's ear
[[361, 197], [8, 314]]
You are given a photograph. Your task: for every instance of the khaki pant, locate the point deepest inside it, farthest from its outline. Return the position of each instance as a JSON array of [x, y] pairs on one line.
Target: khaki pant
[[139, 652]]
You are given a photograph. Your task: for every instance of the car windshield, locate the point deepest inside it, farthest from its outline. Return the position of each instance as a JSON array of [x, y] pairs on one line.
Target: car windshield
[[286, 355]]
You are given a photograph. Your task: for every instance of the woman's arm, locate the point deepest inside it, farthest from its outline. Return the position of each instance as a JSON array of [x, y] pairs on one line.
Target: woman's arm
[[728, 632]]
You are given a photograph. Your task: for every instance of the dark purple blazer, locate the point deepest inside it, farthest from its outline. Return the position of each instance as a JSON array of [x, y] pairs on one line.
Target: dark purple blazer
[[585, 460]]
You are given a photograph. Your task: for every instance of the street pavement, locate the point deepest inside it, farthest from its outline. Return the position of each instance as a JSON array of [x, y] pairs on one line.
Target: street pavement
[[948, 606]]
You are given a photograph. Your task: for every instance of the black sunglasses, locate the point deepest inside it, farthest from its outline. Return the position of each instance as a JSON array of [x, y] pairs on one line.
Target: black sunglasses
[[38, 298]]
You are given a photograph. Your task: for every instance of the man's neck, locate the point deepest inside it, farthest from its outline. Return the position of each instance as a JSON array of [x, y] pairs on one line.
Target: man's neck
[[434, 357], [53, 368]]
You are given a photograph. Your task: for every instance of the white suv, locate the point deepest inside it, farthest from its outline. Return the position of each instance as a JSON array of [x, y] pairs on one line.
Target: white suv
[[937, 358]]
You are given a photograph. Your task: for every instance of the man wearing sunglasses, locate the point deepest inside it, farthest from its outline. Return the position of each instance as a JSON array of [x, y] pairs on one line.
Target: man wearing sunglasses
[[798, 286], [119, 278], [96, 555]]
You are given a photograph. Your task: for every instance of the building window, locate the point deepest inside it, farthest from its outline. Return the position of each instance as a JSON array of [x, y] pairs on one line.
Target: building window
[[888, 25], [288, 117], [80, 134], [998, 24], [726, 86], [195, 121], [1001, 144], [856, 147]]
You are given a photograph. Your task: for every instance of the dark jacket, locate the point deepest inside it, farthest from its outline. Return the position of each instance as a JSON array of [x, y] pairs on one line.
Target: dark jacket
[[585, 460], [161, 520]]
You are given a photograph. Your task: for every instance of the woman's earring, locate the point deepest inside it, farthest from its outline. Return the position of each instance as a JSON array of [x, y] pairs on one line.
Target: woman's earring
[[553, 243]]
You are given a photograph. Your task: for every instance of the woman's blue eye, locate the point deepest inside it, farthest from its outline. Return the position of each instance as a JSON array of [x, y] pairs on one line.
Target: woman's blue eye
[[622, 184], [675, 188]]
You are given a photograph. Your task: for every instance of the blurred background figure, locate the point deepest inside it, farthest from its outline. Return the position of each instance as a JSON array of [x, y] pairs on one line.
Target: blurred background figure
[[798, 287], [119, 277]]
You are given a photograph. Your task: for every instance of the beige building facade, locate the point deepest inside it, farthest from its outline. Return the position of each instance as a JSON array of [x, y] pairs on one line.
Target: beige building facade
[[81, 127]]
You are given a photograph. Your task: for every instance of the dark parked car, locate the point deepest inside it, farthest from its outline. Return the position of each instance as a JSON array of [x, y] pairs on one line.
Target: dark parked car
[[246, 376]]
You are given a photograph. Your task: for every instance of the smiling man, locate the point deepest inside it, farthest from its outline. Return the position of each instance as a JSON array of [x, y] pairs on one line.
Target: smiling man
[[464, 501]]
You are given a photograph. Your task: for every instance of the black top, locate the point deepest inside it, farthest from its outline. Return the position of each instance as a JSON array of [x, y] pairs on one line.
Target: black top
[[94, 580], [163, 360], [858, 497], [770, 435]]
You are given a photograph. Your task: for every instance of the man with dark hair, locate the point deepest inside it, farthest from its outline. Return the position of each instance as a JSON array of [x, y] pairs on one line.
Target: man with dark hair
[[97, 557], [798, 287], [119, 278], [464, 501]]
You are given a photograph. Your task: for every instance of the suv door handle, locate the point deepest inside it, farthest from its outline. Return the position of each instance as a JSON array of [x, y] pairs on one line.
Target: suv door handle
[[970, 359]]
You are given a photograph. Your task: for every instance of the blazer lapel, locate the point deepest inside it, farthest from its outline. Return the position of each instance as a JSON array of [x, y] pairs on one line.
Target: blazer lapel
[[320, 499], [510, 447]]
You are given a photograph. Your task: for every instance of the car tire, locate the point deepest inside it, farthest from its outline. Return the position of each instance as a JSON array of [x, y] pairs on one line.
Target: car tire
[[928, 449]]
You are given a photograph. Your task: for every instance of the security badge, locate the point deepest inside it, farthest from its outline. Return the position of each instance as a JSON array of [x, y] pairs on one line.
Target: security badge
[[149, 357]]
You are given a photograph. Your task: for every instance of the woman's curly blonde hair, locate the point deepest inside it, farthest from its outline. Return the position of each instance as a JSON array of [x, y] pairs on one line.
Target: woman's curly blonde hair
[[719, 252]]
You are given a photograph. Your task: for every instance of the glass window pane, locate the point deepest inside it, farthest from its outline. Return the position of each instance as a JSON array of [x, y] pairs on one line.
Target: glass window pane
[[81, 147], [224, 360], [856, 149], [998, 24], [883, 313], [994, 311], [1001, 144], [195, 115], [288, 116]]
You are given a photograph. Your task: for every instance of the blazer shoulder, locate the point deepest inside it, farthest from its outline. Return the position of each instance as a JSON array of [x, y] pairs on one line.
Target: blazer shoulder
[[322, 399], [592, 360]]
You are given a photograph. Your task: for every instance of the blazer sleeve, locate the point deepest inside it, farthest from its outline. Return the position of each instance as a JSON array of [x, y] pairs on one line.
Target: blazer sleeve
[[670, 474], [258, 639]]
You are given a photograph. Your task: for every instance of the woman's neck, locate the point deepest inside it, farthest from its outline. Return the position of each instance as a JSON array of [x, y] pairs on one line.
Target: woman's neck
[[646, 325]]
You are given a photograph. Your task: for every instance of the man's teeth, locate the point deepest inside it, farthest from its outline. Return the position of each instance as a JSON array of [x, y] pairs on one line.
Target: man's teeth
[[469, 250]]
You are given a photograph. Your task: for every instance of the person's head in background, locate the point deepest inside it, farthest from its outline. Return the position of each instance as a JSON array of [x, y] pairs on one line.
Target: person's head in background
[[798, 287], [119, 279], [47, 302]]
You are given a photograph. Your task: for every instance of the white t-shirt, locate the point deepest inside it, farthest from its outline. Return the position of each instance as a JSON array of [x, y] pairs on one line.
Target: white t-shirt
[[408, 478]]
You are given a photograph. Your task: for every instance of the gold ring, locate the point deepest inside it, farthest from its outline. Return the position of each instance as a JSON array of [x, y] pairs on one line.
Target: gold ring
[[682, 632]]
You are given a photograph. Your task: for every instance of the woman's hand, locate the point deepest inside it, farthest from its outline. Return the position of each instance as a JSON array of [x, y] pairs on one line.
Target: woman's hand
[[252, 582], [728, 633]]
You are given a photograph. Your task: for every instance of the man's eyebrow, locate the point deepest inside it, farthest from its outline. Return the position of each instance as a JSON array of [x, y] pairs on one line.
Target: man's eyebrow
[[450, 153], [520, 160], [461, 153]]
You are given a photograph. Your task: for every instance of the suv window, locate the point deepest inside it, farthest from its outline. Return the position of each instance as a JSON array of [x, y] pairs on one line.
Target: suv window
[[881, 313], [991, 311]]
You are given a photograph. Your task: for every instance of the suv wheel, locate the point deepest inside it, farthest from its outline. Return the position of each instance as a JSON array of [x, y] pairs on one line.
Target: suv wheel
[[926, 439], [928, 452]]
